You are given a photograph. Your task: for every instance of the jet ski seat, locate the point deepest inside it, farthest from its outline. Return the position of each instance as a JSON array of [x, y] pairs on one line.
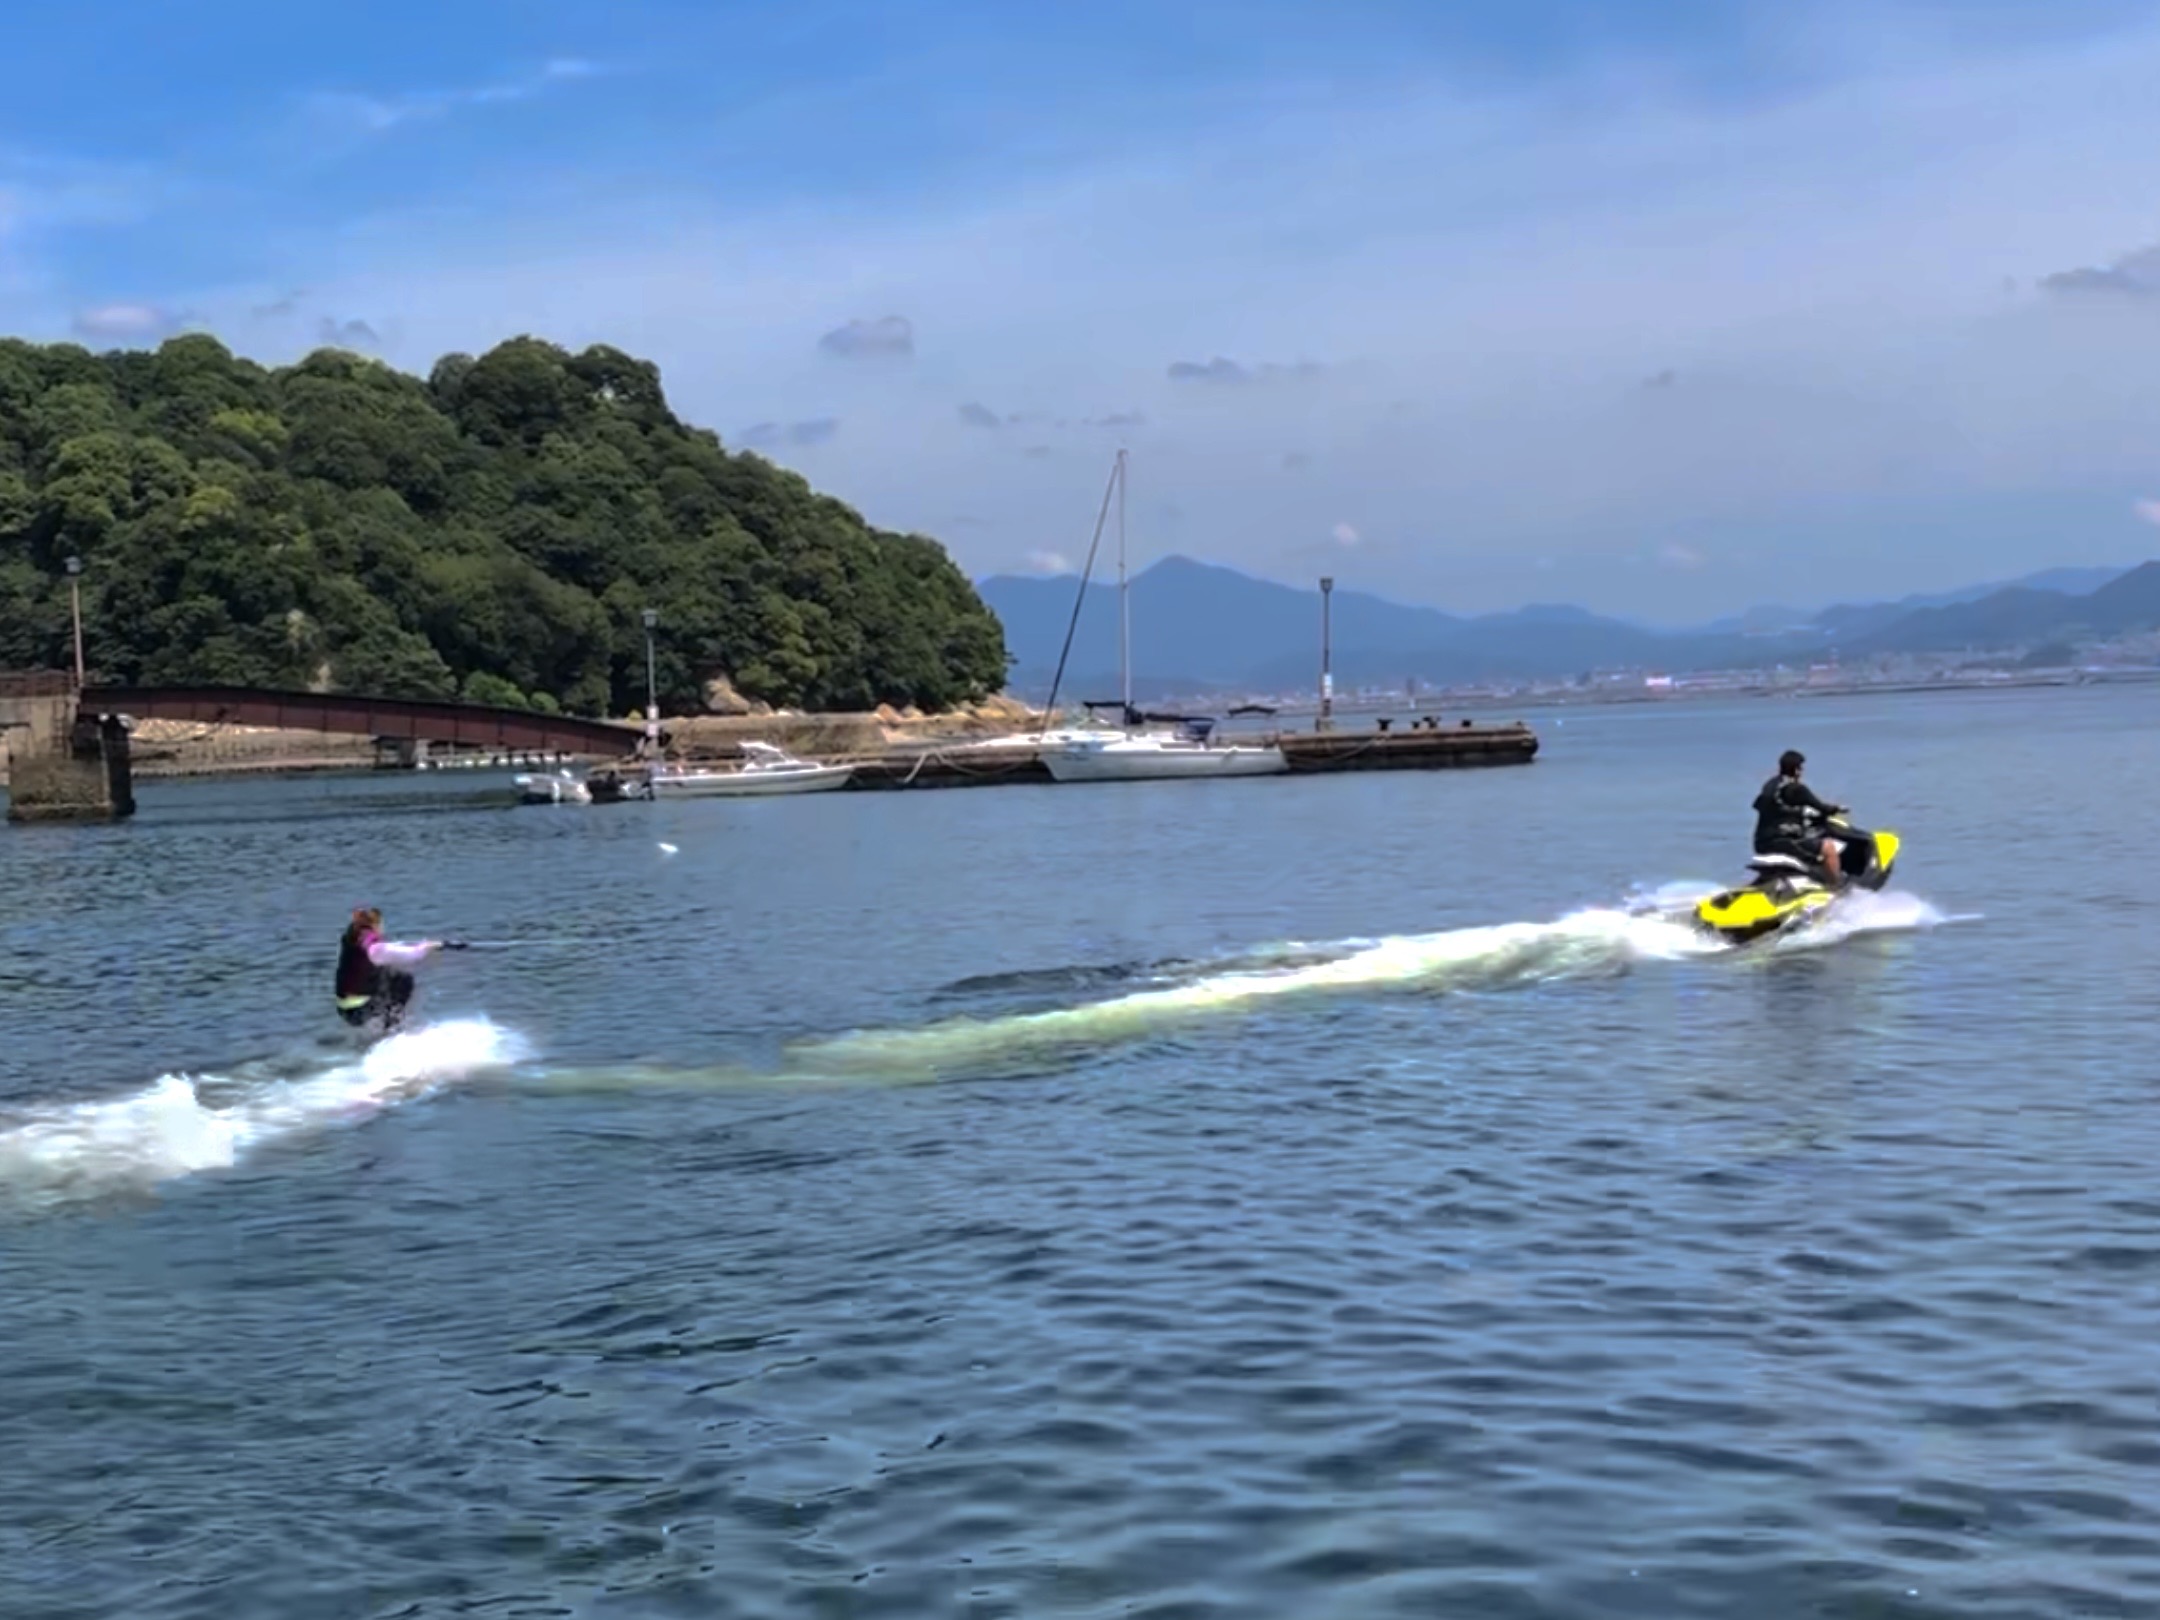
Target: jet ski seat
[[1770, 865]]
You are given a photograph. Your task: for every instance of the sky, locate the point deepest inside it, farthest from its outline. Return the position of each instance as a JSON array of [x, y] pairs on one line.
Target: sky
[[1667, 308]]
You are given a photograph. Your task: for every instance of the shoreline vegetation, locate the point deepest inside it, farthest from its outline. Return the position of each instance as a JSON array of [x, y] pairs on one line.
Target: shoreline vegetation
[[494, 532]]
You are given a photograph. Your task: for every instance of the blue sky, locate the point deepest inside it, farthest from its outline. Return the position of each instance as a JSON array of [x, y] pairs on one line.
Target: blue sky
[[1666, 307]]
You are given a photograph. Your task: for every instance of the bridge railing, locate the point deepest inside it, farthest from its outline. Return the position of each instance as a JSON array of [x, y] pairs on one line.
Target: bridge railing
[[349, 714], [36, 683]]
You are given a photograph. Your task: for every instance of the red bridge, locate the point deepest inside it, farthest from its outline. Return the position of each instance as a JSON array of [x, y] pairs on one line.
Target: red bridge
[[408, 719]]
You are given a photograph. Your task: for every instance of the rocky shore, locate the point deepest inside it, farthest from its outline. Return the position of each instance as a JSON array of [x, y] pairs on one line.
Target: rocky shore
[[841, 736]]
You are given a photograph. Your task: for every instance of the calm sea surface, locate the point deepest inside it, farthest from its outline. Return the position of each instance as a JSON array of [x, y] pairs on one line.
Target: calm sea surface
[[1301, 1198]]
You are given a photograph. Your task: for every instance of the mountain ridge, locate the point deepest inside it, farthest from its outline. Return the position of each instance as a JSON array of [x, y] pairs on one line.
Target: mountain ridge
[[1222, 629]]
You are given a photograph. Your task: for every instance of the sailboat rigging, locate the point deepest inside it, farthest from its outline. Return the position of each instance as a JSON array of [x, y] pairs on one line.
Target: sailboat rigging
[[1127, 754]]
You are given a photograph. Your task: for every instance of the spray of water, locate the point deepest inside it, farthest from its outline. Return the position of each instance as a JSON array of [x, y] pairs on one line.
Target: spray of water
[[181, 1125], [1857, 913], [1584, 944]]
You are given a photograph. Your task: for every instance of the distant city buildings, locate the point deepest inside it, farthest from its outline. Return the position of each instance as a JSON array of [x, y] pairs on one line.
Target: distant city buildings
[[2127, 658]]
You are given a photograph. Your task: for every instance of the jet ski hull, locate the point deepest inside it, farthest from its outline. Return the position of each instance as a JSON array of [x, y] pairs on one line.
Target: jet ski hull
[[1788, 895]]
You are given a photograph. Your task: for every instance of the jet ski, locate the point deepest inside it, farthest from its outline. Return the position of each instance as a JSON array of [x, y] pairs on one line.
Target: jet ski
[[1787, 893]]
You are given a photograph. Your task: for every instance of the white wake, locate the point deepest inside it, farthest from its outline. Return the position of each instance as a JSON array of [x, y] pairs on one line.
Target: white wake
[[1585, 943], [181, 1125]]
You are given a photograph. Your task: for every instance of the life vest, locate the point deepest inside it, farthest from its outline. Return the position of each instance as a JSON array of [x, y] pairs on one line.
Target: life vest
[[1775, 817], [357, 977]]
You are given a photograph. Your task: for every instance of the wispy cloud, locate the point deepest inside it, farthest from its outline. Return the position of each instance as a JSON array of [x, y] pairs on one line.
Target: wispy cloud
[[1234, 374], [339, 334], [767, 435], [42, 194], [378, 114], [49, 201], [2136, 275], [127, 323], [1567, 322], [975, 414], [888, 337]]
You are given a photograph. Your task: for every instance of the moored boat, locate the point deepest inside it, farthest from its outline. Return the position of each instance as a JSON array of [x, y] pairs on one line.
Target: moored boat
[[1142, 757], [766, 770]]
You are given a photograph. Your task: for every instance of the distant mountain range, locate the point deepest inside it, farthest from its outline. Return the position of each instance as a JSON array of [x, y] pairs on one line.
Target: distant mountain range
[[1199, 627]]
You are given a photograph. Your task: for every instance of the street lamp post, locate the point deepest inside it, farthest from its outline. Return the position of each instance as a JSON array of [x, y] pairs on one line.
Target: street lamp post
[[74, 570], [1327, 672], [652, 680]]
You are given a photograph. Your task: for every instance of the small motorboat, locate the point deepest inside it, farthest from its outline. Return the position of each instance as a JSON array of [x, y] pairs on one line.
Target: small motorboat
[[765, 770], [559, 788]]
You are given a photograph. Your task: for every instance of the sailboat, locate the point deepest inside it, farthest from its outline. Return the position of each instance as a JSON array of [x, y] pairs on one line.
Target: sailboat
[[1125, 754]]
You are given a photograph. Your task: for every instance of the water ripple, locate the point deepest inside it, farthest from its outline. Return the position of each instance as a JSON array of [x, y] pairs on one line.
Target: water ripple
[[1456, 1267]]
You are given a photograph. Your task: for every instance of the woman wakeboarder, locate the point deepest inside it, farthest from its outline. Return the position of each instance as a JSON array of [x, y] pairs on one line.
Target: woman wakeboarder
[[372, 981]]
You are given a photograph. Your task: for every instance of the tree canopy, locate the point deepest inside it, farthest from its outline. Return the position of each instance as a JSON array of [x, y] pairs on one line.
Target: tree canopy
[[493, 533]]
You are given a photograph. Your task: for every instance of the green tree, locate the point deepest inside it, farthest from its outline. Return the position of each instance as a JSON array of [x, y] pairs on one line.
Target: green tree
[[495, 531]]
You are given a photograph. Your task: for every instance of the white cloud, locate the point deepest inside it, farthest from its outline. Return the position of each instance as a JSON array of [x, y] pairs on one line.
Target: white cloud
[[378, 114], [1343, 535], [1049, 562], [1816, 283], [123, 323], [42, 196], [2149, 510]]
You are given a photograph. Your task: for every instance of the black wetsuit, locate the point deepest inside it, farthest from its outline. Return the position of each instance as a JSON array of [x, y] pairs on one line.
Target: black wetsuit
[[366, 991], [1789, 820]]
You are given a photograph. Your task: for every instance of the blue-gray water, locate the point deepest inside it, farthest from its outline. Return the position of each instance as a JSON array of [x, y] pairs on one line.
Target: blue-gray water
[[1401, 1231]]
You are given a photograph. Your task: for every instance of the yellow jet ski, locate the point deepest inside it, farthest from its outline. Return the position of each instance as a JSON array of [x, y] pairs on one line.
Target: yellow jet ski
[[1789, 893]]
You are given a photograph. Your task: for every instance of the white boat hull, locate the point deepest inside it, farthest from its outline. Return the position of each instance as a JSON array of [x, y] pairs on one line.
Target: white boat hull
[[751, 783], [1142, 761]]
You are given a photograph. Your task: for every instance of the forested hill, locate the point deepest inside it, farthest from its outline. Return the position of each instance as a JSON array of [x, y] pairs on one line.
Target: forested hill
[[492, 532]]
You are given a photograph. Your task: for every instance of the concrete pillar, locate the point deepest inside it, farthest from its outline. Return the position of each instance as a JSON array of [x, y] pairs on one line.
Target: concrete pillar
[[88, 776]]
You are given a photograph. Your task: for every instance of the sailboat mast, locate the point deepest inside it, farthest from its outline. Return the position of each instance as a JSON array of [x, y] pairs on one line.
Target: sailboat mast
[[1124, 598]]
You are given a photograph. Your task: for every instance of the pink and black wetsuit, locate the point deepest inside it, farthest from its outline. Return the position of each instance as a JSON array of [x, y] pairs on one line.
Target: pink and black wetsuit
[[371, 976]]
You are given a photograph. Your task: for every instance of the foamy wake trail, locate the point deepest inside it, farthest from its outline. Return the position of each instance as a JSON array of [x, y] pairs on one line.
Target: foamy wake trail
[[1587, 942], [168, 1129], [1891, 912]]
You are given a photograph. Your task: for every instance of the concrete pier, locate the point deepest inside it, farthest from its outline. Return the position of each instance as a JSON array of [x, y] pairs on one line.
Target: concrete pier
[[1418, 746], [86, 776], [36, 709]]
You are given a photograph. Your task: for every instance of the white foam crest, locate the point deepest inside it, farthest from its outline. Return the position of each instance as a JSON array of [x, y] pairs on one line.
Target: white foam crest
[[168, 1130], [1892, 911], [1505, 953]]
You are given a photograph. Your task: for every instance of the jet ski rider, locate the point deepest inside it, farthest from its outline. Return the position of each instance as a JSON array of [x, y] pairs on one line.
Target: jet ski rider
[[371, 977], [1788, 817]]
